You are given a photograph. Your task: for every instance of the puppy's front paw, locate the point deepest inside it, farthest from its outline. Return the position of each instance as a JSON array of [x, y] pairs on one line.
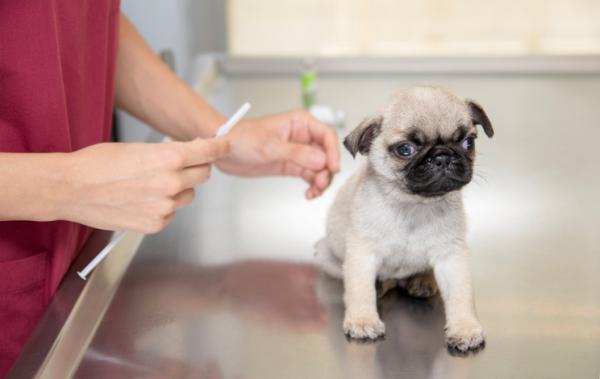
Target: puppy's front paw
[[364, 328], [464, 336]]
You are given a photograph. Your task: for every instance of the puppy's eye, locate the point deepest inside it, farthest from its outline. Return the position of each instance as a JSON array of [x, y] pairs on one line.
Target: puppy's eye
[[468, 143], [405, 150]]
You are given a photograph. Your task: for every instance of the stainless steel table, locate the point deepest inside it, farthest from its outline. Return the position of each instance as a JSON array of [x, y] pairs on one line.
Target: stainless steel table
[[229, 290]]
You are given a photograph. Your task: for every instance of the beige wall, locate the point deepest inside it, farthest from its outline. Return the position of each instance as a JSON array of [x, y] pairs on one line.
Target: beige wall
[[553, 113], [409, 27]]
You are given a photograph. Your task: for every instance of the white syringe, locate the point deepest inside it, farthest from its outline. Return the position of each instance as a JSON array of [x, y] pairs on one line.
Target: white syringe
[[223, 129], [237, 116], [117, 237]]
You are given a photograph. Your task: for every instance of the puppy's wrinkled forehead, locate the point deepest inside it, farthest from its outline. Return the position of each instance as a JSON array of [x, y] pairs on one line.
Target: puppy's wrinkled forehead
[[427, 113]]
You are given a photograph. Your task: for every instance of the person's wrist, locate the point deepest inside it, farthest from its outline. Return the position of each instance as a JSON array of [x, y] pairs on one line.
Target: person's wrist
[[60, 194], [207, 122]]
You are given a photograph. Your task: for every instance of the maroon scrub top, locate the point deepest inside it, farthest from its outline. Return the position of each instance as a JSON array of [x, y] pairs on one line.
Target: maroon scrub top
[[57, 66]]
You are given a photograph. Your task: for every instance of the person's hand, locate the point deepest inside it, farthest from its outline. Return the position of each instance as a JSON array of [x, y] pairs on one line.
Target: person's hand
[[135, 186], [292, 143]]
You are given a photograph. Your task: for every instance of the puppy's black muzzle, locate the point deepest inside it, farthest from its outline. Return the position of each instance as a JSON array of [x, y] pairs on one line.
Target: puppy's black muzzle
[[441, 171], [441, 157]]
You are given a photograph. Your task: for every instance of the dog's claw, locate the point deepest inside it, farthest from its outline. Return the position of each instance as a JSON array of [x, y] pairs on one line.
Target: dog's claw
[[364, 328], [465, 337]]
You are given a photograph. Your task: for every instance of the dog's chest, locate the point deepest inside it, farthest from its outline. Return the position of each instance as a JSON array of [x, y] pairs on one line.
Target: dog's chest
[[404, 254], [405, 239]]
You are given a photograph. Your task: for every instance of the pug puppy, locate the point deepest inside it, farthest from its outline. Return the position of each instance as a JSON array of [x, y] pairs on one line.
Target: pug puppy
[[401, 217]]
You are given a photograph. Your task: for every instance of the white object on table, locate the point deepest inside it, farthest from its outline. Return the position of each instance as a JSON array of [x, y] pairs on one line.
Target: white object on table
[[223, 129], [117, 237]]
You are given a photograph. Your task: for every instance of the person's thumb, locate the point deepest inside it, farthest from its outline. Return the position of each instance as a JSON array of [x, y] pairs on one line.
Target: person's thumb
[[306, 156]]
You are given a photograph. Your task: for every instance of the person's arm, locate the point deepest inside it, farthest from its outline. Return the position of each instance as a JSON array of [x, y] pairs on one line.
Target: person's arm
[[32, 186], [290, 143], [114, 186], [150, 91]]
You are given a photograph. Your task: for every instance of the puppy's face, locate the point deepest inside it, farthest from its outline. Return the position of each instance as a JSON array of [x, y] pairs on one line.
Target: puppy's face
[[423, 140]]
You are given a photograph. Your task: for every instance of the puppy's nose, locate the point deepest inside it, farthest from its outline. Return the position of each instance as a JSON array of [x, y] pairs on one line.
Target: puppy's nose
[[442, 160]]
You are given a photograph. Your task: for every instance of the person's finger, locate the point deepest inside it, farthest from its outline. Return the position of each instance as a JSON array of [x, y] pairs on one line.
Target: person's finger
[[184, 198], [307, 175], [306, 156], [309, 193], [292, 169], [194, 175], [327, 138], [322, 180], [312, 192], [318, 181], [319, 184], [201, 151], [315, 192]]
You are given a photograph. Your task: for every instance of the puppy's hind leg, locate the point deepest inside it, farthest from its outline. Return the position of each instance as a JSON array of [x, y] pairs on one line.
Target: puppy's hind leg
[[422, 285], [385, 286]]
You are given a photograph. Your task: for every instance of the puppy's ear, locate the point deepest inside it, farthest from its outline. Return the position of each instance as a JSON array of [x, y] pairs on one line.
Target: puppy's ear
[[359, 141], [480, 118]]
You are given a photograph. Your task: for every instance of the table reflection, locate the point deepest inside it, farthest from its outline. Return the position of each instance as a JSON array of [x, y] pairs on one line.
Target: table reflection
[[186, 321]]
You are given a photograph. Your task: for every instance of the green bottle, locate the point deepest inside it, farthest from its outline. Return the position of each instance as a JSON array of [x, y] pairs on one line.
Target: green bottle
[[309, 84]]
